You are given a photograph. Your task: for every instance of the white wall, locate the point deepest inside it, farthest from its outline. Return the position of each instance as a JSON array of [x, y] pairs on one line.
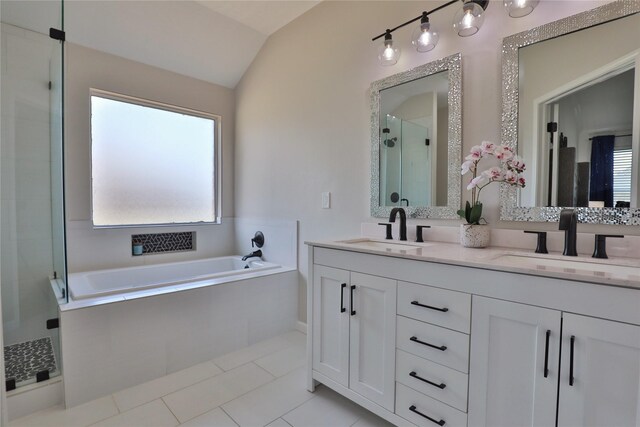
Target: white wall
[[89, 249], [303, 110]]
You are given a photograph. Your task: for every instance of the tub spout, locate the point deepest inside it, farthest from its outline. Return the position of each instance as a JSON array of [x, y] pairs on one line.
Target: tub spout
[[257, 254]]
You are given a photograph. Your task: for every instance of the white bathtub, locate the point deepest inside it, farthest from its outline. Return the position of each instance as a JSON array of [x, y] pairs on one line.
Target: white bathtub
[[92, 284]]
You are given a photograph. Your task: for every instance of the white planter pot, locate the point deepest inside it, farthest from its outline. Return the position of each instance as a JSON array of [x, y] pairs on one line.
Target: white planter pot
[[475, 235]]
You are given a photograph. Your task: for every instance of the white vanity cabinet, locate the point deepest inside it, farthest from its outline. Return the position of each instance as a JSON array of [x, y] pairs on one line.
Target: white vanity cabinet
[[604, 359], [354, 335], [514, 364], [427, 342], [516, 368]]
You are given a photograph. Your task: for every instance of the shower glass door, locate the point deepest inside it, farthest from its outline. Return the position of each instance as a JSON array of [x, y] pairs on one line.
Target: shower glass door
[[32, 271]]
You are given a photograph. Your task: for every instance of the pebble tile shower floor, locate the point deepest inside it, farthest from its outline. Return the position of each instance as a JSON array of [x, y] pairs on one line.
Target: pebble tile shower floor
[[24, 360]]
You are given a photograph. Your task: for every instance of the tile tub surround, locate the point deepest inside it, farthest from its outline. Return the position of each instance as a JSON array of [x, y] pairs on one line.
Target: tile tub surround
[[242, 388], [120, 344]]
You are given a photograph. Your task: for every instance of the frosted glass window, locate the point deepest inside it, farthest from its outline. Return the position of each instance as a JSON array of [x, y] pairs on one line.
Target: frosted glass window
[[151, 165]]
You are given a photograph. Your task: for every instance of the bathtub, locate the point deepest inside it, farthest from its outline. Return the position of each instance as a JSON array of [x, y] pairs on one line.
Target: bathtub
[[126, 326], [101, 283]]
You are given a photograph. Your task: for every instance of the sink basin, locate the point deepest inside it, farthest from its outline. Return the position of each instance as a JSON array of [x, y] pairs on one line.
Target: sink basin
[[583, 267], [381, 245]]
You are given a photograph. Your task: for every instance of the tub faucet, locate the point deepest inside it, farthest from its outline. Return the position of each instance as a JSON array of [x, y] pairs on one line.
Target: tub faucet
[[569, 223], [256, 254], [403, 221]]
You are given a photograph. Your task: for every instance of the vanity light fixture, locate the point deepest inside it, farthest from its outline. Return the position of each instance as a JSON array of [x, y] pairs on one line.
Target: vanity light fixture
[[467, 21], [520, 8], [388, 54], [424, 38]]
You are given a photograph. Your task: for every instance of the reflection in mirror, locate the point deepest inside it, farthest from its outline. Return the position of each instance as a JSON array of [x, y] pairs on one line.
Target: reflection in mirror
[[578, 113], [577, 116], [415, 132], [413, 121]]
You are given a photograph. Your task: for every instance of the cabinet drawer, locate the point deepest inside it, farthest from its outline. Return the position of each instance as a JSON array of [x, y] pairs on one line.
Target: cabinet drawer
[[434, 380], [440, 345], [409, 402], [440, 307]]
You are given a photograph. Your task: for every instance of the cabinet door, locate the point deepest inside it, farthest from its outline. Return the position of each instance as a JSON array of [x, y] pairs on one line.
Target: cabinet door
[[606, 373], [331, 323], [373, 338], [509, 352]]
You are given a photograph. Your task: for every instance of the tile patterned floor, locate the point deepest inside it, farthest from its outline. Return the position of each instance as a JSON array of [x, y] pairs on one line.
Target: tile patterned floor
[[260, 385], [24, 360]]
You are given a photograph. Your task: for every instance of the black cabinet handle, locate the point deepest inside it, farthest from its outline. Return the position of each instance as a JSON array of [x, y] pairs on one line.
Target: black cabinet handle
[[444, 310], [353, 288], [573, 342], [546, 354], [412, 408], [342, 309], [437, 347], [416, 376]]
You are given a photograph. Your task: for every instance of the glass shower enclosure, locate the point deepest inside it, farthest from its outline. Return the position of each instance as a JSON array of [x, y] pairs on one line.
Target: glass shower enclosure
[[32, 270]]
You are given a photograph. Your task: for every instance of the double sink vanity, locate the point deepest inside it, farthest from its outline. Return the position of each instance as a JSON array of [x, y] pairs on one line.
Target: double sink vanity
[[432, 333], [424, 333]]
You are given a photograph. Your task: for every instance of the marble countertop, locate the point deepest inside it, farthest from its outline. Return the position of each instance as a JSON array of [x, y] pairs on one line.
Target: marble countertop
[[615, 271]]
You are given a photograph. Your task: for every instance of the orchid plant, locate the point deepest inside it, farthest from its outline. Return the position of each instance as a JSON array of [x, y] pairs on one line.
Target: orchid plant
[[510, 171]]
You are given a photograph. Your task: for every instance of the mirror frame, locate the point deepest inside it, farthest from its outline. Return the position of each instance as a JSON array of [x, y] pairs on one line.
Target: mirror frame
[[452, 64], [509, 209]]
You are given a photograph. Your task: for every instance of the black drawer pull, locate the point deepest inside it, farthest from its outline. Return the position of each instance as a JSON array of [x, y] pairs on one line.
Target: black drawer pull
[[573, 341], [353, 288], [546, 354], [342, 309], [444, 310], [414, 375], [412, 408], [437, 347]]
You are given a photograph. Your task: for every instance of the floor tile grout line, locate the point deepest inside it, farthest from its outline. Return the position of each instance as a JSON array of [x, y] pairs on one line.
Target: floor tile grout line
[[289, 345], [170, 411], [229, 415], [171, 392], [238, 396], [288, 412]]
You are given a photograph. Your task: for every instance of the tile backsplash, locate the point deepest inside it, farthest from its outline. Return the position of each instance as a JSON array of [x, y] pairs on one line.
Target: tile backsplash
[[165, 242]]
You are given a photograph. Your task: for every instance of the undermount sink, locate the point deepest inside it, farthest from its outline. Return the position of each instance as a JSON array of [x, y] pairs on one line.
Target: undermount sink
[[395, 247], [583, 267]]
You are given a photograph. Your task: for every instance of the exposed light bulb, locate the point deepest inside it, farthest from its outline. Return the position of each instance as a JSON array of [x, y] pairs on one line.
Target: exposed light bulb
[[520, 8], [469, 19], [388, 54], [424, 38]]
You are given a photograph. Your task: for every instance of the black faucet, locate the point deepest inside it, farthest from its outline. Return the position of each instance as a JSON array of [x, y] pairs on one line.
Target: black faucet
[[256, 254], [568, 223], [403, 221]]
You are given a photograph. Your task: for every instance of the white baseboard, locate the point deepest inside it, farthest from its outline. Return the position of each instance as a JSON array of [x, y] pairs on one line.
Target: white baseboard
[[302, 327]]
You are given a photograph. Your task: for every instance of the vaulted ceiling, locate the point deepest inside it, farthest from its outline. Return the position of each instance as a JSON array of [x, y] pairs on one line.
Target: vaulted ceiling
[[211, 40], [215, 41]]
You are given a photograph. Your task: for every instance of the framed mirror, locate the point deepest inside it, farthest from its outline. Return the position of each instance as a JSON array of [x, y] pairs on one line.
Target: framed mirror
[[571, 108], [416, 128]]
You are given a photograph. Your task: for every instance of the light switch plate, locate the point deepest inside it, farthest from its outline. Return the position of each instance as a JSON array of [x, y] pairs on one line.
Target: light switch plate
[[326, 200]]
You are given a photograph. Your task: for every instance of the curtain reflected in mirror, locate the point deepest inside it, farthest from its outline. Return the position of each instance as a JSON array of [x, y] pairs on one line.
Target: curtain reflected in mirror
[[578, 117]]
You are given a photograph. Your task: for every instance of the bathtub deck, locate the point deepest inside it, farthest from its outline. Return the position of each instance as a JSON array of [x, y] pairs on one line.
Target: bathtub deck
[[259, 385]]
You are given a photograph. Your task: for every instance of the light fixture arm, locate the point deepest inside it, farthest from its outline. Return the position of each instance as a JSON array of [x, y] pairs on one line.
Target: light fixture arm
[[418, 18], [482, 3]]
